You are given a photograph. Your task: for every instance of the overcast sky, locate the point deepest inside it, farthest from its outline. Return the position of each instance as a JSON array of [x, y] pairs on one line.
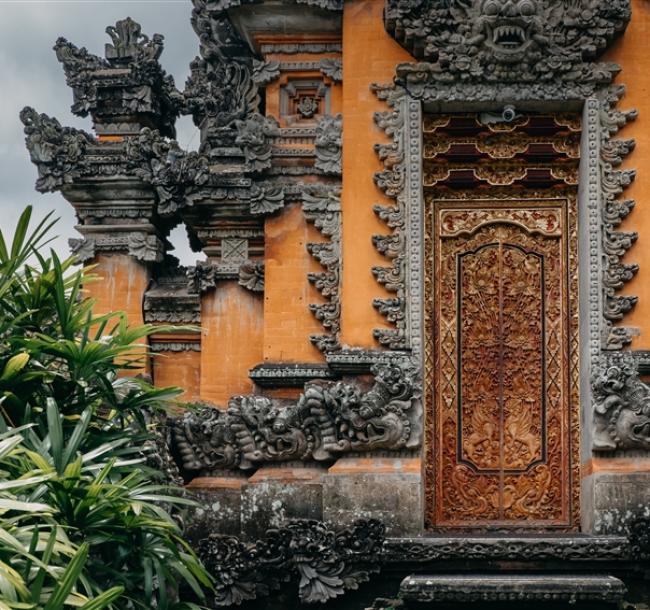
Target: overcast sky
[[30, 75]]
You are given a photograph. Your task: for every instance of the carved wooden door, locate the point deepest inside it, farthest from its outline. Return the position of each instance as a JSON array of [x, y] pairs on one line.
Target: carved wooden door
[[502, 387]]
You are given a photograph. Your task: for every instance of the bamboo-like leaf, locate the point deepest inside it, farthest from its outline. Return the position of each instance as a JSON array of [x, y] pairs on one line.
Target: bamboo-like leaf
[[55, 434], [14, 365], [68, 580], [103, 600], [77, 435]]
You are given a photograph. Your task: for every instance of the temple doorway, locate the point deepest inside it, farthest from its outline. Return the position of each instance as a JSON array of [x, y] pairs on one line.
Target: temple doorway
[[502, 321]]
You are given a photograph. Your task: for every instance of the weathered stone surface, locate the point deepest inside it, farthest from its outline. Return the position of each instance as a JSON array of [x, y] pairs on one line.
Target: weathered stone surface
[[387, 489], [220, 507], [613, 501], [273, 496]]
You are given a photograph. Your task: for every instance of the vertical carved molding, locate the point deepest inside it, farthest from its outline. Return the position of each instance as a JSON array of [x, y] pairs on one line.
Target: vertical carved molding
[[615, 243], [393, 246], [324, 212]]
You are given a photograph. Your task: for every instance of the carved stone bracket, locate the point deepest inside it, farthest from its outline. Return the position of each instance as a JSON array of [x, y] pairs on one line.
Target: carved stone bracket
[[323, 561], [329, 419], [324, 211]]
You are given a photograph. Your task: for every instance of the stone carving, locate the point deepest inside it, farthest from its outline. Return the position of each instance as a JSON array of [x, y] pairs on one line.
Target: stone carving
[[220, 89], [201, 278], [501, 41], [324, 211], [58, 152], [83, 249], [621, 405], [146, 248], [615, 243], [175, 346], [251, 276], [222, 5], [327, 420], [129, 81], [266, 200], [393, 246], [332, 67], [328, 144], [253, 137], [129, 42], [510, 548], [265, 72], [325, 562]]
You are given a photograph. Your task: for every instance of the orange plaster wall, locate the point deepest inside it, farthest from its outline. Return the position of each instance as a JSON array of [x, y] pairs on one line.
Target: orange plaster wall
[[180, 369], [121, 283], [631, 53], [369, 56], [232, 327], [287, 319]]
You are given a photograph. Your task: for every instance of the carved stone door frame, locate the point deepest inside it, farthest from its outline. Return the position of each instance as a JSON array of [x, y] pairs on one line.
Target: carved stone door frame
[[601, 247]]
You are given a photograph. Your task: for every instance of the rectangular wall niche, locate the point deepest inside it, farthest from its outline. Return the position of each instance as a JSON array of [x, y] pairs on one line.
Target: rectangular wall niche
[[502, 321]]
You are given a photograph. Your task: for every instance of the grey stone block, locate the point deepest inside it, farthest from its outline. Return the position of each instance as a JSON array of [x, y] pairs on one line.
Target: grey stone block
[[388, 489], [219, 509], [273, 496], [611, 501]]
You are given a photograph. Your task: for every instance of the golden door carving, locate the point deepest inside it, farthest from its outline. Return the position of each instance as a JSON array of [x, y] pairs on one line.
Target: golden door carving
[[501, 349], [503, 380]]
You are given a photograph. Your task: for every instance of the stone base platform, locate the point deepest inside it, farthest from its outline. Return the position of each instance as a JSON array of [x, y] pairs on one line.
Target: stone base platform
[[548, 590]]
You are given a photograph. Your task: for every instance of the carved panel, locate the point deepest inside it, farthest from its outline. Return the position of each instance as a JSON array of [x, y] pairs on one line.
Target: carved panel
[[503, 395]]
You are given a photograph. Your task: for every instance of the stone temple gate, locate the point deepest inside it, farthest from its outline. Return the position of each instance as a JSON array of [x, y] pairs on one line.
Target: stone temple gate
[[411, 339]]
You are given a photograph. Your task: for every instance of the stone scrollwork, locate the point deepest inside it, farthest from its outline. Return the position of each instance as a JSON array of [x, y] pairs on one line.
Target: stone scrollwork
[[621, 405], [324, 211], [323, 561], [328, 419]]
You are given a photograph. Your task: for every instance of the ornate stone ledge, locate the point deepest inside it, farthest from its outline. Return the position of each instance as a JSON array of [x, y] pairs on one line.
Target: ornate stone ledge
[[510, 587], [561, 547], [288, 375]]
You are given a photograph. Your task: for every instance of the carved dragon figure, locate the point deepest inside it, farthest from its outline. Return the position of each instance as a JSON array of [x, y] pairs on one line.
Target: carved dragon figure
[[328, 419]]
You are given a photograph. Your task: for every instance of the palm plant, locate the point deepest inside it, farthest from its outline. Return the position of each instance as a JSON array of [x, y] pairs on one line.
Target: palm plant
[[85, 439]]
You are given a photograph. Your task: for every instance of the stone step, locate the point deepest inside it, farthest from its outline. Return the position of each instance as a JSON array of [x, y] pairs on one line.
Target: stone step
[[552, 588], [529, 548]]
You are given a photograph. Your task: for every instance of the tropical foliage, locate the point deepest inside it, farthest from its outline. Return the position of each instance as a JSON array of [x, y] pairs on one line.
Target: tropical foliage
[[87, 519]]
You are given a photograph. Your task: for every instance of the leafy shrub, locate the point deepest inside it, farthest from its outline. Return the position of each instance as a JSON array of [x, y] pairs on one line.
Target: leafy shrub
[[85, 518]]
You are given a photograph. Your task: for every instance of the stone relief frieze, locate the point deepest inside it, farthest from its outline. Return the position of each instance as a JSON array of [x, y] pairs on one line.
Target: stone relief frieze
[[502, 41], [329, 419], [326, 562]]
